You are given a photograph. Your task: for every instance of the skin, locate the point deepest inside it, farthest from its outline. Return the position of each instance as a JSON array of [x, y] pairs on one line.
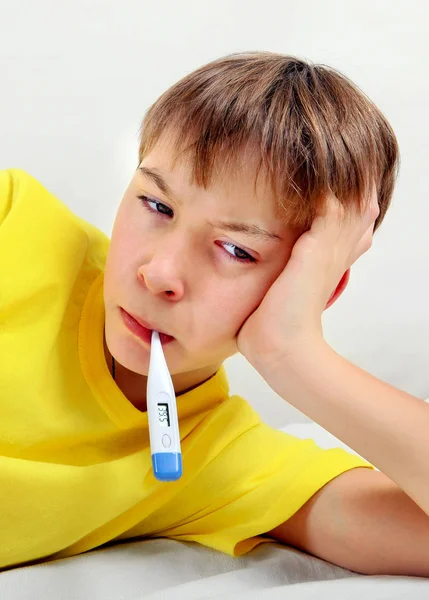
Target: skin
[[373, 522], [368, 521], [175, 270]]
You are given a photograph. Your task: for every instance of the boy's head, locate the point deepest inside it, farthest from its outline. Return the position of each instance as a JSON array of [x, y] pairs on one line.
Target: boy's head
[[255, 140]]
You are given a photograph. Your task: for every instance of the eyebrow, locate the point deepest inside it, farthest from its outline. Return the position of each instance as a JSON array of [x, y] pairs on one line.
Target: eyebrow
[[248, 229], [158, 180], [251, 230]]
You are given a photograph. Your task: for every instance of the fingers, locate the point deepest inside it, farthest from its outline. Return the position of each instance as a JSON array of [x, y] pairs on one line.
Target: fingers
[[353, 216], [350, 228], [371, 209], [363, 245]]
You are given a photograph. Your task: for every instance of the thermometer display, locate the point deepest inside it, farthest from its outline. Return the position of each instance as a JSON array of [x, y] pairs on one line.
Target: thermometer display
[[163, 414]]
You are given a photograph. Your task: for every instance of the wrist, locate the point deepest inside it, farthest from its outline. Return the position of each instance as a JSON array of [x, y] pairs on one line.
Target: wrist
[[300, 375], [297, 359]]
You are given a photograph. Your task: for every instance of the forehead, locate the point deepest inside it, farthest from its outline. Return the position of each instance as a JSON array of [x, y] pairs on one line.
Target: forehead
[[238, 184]]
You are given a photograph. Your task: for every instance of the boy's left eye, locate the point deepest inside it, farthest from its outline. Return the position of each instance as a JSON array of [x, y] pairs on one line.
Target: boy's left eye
[[238, 254], [164, 209]]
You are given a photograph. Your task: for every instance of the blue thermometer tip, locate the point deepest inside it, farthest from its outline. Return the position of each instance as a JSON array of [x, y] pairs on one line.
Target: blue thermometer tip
[[167, 466]]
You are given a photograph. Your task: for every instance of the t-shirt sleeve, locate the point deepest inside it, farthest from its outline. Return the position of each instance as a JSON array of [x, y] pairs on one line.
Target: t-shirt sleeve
[[6, 194], [13, 182], [255, 483]]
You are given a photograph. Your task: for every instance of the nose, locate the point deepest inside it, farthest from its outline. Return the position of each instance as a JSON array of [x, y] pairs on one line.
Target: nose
[[162, 276]]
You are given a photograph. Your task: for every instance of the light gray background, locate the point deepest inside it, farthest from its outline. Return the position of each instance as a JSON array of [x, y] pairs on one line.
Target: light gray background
[[76, 78]]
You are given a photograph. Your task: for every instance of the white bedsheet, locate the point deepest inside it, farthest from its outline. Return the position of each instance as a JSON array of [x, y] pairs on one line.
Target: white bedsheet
[[169, 570]]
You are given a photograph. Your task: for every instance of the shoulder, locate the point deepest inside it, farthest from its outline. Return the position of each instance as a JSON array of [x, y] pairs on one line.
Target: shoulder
[[15, 184], [10, 178]]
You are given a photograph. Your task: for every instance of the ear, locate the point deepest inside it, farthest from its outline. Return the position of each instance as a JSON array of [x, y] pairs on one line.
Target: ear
[[339, 289]]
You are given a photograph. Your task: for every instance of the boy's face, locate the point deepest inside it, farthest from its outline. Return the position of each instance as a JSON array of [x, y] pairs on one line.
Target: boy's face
[[173, 266]]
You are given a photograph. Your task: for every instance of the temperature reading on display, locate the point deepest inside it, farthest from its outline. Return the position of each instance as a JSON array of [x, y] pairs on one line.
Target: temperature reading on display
[[163, 415]]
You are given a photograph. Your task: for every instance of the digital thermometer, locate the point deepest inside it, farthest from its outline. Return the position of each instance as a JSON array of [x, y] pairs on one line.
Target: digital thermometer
[[162, 414]]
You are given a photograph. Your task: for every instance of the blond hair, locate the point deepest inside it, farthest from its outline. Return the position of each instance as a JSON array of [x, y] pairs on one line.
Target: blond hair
[[314, 130]]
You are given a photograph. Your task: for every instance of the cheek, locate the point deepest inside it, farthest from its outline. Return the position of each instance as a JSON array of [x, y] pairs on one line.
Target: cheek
[[124, 228], [229, 305], [122, 246], [234, 303]]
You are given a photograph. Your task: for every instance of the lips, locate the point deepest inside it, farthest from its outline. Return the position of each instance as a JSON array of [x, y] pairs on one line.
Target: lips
[[146, 325], [143, 329]]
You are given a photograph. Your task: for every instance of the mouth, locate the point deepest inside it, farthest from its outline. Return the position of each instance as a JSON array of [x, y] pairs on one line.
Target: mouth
[[142, 329]]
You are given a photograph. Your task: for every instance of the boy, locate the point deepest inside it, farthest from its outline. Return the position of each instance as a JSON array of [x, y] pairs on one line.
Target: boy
[[229, 237]]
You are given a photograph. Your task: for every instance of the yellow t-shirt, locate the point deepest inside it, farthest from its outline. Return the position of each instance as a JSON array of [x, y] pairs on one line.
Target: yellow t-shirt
[[75, 464]]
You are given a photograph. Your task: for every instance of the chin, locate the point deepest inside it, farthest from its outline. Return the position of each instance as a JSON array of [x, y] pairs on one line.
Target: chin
[[136, 358]]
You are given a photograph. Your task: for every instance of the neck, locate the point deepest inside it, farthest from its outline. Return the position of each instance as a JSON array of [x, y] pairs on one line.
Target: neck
[[133, 385]]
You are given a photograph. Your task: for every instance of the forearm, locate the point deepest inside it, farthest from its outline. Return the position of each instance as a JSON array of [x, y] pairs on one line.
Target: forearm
[[388, 427]]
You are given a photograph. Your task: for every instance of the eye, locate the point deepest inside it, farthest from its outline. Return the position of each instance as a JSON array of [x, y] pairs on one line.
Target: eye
[[238, 254], [160, 208]]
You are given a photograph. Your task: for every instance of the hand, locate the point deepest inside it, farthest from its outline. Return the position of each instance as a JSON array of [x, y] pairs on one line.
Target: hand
[[290, 314]]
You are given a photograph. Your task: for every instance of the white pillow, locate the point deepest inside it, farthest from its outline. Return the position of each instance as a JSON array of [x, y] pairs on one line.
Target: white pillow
[[321, 436]]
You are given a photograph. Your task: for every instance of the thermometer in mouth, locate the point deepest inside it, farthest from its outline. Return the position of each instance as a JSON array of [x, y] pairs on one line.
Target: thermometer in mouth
[[162, 415]]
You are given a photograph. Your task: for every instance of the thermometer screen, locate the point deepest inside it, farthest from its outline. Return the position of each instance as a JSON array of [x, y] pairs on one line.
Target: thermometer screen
[[163, 415]]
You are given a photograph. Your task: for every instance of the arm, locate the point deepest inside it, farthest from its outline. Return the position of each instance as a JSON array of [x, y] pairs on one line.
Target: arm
[[364, 522], [386, 426]]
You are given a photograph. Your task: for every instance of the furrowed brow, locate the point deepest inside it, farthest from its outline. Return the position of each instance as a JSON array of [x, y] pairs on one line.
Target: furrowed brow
[[247, 229], [233, 226], [158, 180]]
